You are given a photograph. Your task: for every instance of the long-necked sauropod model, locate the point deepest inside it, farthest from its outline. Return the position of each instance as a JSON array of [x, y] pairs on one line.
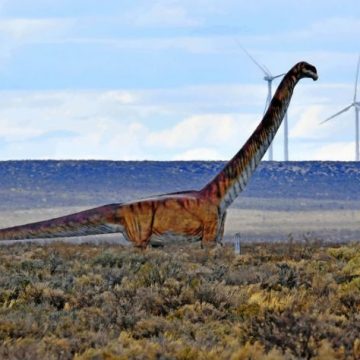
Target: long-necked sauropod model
[[190, 215]]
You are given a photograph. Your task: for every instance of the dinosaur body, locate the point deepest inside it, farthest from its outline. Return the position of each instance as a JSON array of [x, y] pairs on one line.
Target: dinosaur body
[[191, 215], [179, 216]]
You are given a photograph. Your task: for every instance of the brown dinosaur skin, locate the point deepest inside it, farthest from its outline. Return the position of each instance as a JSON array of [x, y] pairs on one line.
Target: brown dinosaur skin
[[191, 215]]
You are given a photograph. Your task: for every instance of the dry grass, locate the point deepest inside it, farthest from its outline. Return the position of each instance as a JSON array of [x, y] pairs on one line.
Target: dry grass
[[279, 301]]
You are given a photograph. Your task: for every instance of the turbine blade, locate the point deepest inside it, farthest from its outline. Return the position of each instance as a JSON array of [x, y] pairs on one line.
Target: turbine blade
[[268, 71], [276, 76], [338, 113], [253, 60], [356, 78]]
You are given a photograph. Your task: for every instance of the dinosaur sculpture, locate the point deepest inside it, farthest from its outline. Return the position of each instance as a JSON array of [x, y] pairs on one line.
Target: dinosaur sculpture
[[191, 215]]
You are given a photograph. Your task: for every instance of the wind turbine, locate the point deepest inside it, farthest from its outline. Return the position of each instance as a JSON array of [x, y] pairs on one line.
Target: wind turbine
[[268, 77], [356, 105]]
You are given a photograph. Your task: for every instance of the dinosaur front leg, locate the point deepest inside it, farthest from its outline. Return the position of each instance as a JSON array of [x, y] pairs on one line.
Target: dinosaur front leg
[[210, 234], [138, 223], [220, 234]]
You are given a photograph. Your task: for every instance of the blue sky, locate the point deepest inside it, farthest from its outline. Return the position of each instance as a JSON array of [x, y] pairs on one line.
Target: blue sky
[[167, 80]]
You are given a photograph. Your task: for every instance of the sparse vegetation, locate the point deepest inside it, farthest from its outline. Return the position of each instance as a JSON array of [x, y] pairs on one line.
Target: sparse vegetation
[[275, 301]]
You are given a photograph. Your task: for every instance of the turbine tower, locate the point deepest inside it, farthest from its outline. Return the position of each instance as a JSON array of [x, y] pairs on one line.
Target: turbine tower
[[356, 105], [268, 77]]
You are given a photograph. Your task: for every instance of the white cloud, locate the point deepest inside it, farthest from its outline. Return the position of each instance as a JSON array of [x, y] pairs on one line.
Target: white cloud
[[16, 32], [179, 123], [341, 151], [116, 125], [308, 125], [188, 44], [163, 15], [325, 29], [120, 96], [334, 27], [30, 118], [207, 129], [22, 29], [10, 130], [106, 140], [199, 154]]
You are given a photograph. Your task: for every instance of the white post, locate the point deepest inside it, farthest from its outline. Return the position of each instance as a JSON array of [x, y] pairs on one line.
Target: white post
[[237, 244]]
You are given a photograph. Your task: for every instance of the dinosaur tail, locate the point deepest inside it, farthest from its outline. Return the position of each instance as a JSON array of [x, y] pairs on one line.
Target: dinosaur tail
[[101, 220]]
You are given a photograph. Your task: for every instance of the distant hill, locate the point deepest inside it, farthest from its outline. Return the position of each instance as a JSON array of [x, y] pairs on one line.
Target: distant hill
[[27, 184]]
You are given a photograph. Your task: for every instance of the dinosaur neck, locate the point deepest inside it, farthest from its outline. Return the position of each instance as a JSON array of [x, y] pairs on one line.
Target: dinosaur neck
[[232, 179]]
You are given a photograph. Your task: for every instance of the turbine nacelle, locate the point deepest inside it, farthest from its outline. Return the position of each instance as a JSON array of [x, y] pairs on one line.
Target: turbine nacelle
[[268, 78]]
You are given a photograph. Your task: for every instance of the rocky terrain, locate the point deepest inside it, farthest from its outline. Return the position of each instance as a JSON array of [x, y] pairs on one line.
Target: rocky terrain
[[39, 184]]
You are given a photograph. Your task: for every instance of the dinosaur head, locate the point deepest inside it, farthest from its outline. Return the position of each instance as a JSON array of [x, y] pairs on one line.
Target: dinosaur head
[[304, 69]]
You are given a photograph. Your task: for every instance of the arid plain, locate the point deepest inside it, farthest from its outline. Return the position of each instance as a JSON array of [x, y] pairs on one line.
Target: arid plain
[[293, 292], [294, 200]]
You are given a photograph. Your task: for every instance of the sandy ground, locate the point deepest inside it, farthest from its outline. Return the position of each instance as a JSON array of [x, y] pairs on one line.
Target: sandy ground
[[253, 225], [331, 225]]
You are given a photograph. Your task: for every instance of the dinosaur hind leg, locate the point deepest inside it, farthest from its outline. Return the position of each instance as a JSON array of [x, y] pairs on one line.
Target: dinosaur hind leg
[[210, 232], [138, 236]]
